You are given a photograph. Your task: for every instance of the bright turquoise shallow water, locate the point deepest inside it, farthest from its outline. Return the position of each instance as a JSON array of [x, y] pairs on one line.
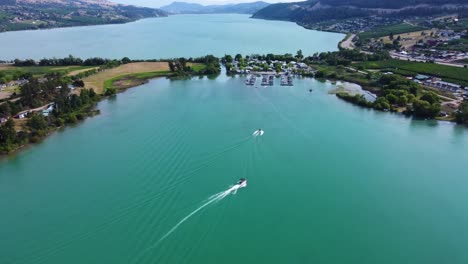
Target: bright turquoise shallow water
[[328, 182], [174, 36]]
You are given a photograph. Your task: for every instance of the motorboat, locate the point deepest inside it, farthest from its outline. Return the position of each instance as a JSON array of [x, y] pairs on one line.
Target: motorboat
[[242, 182], [258, 132]]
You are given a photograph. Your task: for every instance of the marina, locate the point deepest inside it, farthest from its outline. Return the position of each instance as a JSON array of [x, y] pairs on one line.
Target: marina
[[268, 79]]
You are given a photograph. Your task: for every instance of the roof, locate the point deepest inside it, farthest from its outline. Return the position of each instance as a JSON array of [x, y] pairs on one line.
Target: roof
[[421, 77]]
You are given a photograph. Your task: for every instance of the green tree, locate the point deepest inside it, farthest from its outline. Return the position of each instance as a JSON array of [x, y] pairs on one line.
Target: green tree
[[462, 114], [424, 109], [278, 67], [37, 123], [5, 110], [299, 55], [392, 99], [381, 103], [430, 97], [7, 135], [402, 100], [320, 74], [228, 59], [125, 60]]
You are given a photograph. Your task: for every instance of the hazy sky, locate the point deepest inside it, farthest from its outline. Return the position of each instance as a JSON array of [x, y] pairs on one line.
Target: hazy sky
[[158, 3]]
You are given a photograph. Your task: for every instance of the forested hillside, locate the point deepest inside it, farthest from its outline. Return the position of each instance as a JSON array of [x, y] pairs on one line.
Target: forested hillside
[[317, 11], [37, 14]]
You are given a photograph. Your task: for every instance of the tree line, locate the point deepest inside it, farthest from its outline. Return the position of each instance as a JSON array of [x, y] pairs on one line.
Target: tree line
[[67, 108], [184, 67], [68, 61]]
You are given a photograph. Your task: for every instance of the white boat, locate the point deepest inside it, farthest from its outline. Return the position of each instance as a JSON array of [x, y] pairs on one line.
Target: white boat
[[258, 132], [242, 183]]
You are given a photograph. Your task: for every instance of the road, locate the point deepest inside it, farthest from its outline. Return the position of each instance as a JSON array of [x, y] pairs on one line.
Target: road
[[348, 43]]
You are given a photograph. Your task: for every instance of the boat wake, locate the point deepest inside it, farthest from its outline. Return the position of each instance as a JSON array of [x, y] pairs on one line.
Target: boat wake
[[211, 200]]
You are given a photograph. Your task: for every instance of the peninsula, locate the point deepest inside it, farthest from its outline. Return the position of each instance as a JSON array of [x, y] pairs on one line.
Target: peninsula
[[41, 14]]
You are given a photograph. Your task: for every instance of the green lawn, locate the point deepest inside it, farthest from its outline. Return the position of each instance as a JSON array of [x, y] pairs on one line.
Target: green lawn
[[409, 68], [39, 70], [386, 30], [134, 77], [197, 67]]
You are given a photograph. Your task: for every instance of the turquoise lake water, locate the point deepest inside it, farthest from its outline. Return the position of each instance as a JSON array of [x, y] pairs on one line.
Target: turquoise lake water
[[174, 36], [328, 182]]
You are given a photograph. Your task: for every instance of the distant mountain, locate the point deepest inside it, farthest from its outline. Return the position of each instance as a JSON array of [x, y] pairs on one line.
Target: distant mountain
[[313, 11], [190, 8], [36, 14]]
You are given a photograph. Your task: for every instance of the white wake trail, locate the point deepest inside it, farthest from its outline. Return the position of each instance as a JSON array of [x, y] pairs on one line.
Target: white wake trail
[[213, 199]]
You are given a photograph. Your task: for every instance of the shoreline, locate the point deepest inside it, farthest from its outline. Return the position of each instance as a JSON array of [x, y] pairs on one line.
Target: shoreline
[[129, 75], [79, 26], [93, 111]]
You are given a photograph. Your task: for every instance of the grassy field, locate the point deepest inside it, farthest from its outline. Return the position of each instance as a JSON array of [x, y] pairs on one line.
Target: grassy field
[[386, 30], [197, 67], [40, 70], [410, 38], [134, 79], [106, 78], [410, 68]]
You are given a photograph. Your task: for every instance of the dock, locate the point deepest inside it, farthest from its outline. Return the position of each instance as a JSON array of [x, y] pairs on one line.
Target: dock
[[286, 80], [268, 79], [250, 81]]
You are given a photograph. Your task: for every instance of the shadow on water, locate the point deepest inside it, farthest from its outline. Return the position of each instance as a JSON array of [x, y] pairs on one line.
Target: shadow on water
[[420, 122], [459, 131], [112, 99], [212, 76]]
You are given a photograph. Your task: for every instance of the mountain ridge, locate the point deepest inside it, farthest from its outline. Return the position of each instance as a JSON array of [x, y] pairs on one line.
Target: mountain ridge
[[39, 14], [179, 7], [315, 11]]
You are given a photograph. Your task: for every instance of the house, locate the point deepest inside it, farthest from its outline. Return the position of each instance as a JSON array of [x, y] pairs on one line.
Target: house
[[48, 110], [446, 86], [22, 115], [421, 77]]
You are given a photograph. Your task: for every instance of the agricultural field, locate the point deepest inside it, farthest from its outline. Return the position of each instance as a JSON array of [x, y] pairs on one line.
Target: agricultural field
[[410, 39], [410, 68], [139, 70], [9, 73], [386, 30], [132, 80]]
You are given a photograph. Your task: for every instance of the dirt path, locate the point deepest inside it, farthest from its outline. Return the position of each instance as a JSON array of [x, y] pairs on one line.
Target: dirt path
[[73, 73]]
